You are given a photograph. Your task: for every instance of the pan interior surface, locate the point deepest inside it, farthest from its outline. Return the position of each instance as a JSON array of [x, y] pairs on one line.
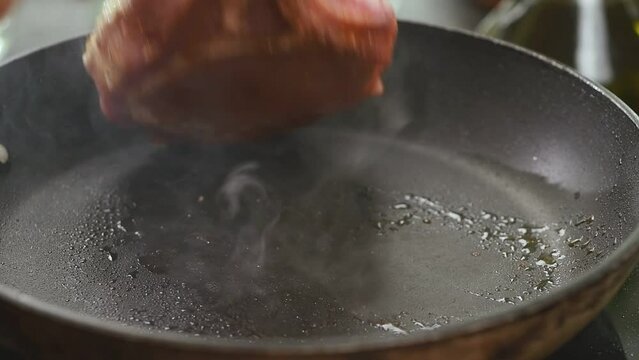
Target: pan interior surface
[[294, 240], [452, 198]]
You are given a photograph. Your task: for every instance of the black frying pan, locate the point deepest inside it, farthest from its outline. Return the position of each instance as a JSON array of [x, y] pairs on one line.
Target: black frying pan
[[483, 208]]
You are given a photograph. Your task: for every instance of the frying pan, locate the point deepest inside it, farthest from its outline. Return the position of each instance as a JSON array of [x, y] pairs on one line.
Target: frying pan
[[484, 207]]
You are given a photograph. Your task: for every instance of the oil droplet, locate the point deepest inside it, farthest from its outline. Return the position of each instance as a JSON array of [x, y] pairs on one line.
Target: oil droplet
[[422, 326], [538, 229], [133, 274], [120, 226], [586, 221], [574, 242], [485, 215], [529, 242], [110, 254], [546, 259], [455, 216], [544, 284], [423, 202], [4, 155], [405, 220], [392, 329]]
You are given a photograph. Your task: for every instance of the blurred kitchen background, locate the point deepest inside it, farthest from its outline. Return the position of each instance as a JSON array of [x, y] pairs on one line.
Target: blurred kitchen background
[[37, 23], [600, 38]]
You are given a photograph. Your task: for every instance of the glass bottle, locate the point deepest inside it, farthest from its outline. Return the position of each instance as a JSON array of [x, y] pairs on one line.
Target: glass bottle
[[599, 38], [5, 7]]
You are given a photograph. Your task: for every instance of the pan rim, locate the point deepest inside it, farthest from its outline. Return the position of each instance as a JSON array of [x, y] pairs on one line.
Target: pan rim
[[627, 252]]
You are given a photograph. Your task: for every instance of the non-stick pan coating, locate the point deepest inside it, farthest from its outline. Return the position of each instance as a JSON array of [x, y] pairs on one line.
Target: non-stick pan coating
[[483, 180]]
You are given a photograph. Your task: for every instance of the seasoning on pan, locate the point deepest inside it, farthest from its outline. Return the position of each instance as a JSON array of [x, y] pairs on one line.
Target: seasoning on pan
[[4, 155]]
